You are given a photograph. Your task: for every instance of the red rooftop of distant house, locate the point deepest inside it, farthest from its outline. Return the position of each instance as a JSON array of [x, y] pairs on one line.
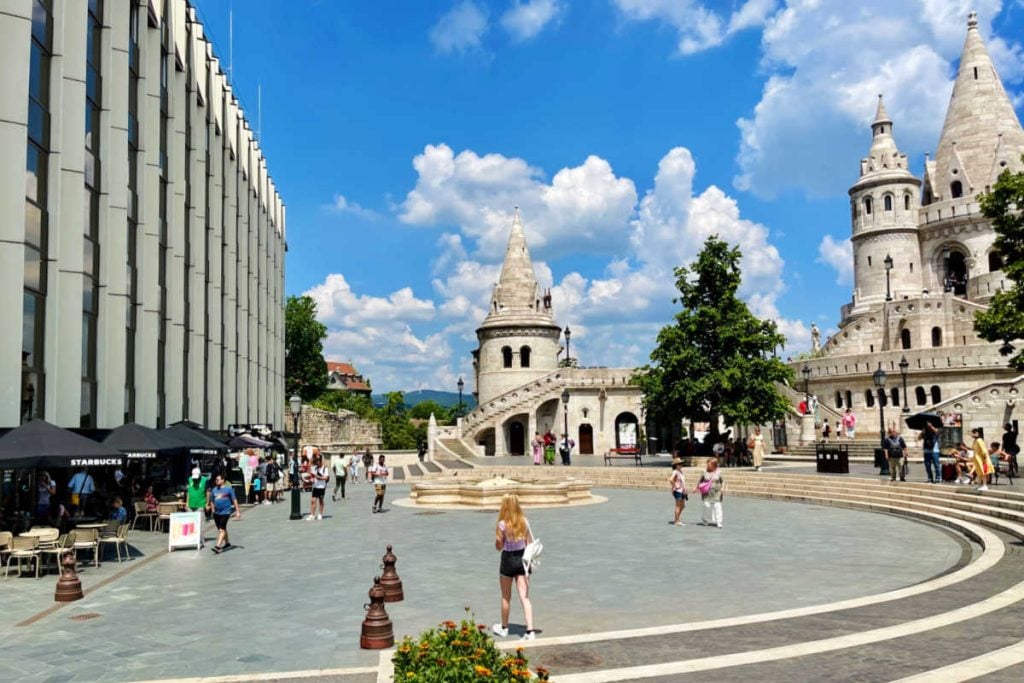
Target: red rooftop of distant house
[[357, 386], [341, 368]]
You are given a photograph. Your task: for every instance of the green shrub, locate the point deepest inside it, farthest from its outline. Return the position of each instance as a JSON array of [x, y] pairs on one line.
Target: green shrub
[[457, 654]]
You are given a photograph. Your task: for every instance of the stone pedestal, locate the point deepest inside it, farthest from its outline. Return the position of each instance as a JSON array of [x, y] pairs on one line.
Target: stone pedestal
[[807, 433]]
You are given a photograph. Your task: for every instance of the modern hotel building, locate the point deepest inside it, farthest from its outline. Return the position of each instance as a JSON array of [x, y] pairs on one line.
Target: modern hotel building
[[141, 237]]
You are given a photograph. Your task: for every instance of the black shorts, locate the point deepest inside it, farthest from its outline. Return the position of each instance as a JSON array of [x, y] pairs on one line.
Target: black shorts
[[512, 563], [221, 520], [319, 493]]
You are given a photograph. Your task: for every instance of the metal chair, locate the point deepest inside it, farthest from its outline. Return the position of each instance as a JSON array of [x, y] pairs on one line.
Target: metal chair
[[5, 545], [58, 550], [165, 510], [23, 548], [142, 512], [87, 539], [118, 540]]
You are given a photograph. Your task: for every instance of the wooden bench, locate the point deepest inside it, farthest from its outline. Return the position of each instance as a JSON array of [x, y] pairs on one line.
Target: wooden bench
[[623, 454]]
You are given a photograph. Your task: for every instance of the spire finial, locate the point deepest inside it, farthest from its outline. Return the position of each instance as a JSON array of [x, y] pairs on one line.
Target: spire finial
[[972, 20], [515, 215]]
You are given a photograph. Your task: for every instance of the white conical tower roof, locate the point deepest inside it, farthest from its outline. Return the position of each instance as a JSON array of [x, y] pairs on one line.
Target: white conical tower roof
[[884, 161], [517, 299], [981, 136]]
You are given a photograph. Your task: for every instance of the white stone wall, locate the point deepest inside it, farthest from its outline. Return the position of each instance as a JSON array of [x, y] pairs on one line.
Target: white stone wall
[[494, 379]]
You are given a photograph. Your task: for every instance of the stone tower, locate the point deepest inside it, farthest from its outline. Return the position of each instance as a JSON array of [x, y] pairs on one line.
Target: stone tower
[[884, 213], [519, 337]]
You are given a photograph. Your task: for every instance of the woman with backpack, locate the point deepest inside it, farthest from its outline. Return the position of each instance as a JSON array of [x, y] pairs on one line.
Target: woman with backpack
[[511, 536]]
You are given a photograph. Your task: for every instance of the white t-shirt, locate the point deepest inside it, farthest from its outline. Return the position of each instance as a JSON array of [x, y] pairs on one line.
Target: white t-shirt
[[379, 473], [318, 472], [338, 464]]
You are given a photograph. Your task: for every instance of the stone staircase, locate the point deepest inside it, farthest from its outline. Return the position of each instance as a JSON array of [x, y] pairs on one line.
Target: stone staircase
[[859, 449]]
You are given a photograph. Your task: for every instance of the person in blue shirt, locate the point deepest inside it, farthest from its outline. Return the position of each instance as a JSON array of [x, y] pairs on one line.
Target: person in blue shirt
[[117, 511], [223, 503]]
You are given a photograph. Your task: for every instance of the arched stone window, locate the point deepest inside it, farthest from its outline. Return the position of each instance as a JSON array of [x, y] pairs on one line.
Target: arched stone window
[[905, 338], [869, 398], [921, 396], [867, 205], [936, 336], [995, 261], [506, 356], [524, 357], [849, 398], [895, 394], [887, 202], [936, 395], [839, 400], [956, 189], [906, 202]]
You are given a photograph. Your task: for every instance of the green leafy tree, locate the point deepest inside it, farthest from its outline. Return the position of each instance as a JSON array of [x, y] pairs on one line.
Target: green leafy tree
[[716, 359], [1004, 319], [304, 368], [334, 401], [396, 431], [423, 410]]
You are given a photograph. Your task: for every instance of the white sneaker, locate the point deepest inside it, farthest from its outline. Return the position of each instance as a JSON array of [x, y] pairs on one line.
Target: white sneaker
[[719, 525], [529, 635], [266, 502], [499, 631], [310, 518], [319, 516], [982, 488]]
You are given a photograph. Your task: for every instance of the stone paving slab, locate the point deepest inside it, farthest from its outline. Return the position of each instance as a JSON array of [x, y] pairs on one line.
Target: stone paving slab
[[288, 585]]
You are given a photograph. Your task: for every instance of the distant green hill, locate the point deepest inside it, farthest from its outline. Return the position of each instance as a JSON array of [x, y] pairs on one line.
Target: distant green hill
[[447, 399]]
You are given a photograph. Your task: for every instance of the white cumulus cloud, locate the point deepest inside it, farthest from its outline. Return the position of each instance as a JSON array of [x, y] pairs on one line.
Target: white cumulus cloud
[[460, 29], [839, 255], [698, 26], [526, 18], [341, 205]]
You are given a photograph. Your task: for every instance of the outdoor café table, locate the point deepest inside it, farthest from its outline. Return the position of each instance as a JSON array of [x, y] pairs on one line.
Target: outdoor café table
[[92, 525], [37, 532]]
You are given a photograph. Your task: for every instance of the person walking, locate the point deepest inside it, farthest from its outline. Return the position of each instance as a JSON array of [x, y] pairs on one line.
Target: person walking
[[896, 450], [340, 466], [982, 464], [711, 489], [81, 486], [319, 475], [849, 423], [379, 474], [223, 503], [367, 462], [826, 431], [932, 456], [677, 483], [757, 447], [537, 444], [354, 467], [565, 446], [273, 477], [549, 448], [45, 491], [511, 536]]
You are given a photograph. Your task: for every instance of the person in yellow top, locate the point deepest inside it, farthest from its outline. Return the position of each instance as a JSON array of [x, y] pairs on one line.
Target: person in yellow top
[[981, 462]]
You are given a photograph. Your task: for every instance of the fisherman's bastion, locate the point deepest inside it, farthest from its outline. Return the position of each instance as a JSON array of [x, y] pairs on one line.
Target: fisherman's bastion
[[924, 265]]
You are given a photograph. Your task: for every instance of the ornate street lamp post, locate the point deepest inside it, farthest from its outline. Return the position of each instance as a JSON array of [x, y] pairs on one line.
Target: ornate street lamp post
[[879, 380], [460, 384], [888, 268], [806, 372], [903, 372], [295, 405], [568, 356], [565, 411]]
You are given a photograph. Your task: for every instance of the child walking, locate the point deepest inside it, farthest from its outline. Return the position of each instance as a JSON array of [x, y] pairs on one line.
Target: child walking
[[678, 484], [711, 489]]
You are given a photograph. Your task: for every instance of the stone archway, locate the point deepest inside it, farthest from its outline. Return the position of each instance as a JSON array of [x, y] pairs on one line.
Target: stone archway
[[627, 432], [486, 439], [516, 438]]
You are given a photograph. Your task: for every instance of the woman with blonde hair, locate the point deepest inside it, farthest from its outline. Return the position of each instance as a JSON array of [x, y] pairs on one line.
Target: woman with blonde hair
[[511, 537]]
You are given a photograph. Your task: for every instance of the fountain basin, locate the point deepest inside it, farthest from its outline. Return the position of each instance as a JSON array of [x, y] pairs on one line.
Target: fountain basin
[[487, 493]]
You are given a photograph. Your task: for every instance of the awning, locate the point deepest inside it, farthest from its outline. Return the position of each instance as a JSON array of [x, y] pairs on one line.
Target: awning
[[242, 441], [144, 443], [196, 442], [41, 444]]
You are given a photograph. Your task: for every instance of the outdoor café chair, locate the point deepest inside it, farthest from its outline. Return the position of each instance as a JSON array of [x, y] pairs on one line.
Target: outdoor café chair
[[23, 548], [141, 512], [87, 539], [118, 540], [165, 511], [5, 545], [58, 549], [47, 536]]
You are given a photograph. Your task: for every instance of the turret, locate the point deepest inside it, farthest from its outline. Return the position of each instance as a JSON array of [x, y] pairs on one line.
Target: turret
[[884, 212], [519, 337]]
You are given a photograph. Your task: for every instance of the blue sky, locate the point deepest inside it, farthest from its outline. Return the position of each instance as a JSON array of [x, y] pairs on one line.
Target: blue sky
[[401, 134]]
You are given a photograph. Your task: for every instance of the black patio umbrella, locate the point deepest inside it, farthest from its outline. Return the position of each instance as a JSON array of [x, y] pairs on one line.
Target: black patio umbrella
[[144, 443], [243, 441], [208, 433], [195, 441], [919, 420], [41, 444]]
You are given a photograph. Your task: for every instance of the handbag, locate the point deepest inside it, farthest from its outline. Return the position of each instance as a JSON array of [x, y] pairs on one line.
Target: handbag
[[705, 486], [531, 553]]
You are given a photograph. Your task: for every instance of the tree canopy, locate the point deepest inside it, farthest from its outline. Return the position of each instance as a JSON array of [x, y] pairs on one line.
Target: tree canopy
[[1004, 319], [304, 367], [716, 359]]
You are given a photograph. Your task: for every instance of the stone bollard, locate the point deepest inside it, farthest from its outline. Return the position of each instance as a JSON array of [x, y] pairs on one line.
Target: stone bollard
[[389, 579], [378, 633], [69, 586]]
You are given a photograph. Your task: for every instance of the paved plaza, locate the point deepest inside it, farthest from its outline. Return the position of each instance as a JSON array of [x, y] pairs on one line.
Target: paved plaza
[[290, 595]]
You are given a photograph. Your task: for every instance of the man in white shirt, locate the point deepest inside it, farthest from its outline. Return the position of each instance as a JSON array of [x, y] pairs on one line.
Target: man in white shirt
[[379, 474], [320, 476], [340, 464]]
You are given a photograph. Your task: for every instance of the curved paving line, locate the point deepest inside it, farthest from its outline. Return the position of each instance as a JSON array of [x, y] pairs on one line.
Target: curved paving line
[[993, 551], [271, 676], [990, 662]]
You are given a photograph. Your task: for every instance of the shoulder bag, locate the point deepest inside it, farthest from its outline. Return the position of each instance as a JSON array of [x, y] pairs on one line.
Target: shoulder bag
[[532, 552]]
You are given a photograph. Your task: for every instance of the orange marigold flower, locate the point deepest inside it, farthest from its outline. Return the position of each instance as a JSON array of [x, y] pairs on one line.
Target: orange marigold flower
[[448, 624], [481, 628], [482, 671]]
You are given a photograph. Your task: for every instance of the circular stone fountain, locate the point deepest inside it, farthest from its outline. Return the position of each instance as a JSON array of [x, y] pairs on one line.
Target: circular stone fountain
[[458, 493]]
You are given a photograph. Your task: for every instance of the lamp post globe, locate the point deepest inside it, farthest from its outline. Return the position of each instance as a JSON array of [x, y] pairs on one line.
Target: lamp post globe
[[903, 373], [295, 406]]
